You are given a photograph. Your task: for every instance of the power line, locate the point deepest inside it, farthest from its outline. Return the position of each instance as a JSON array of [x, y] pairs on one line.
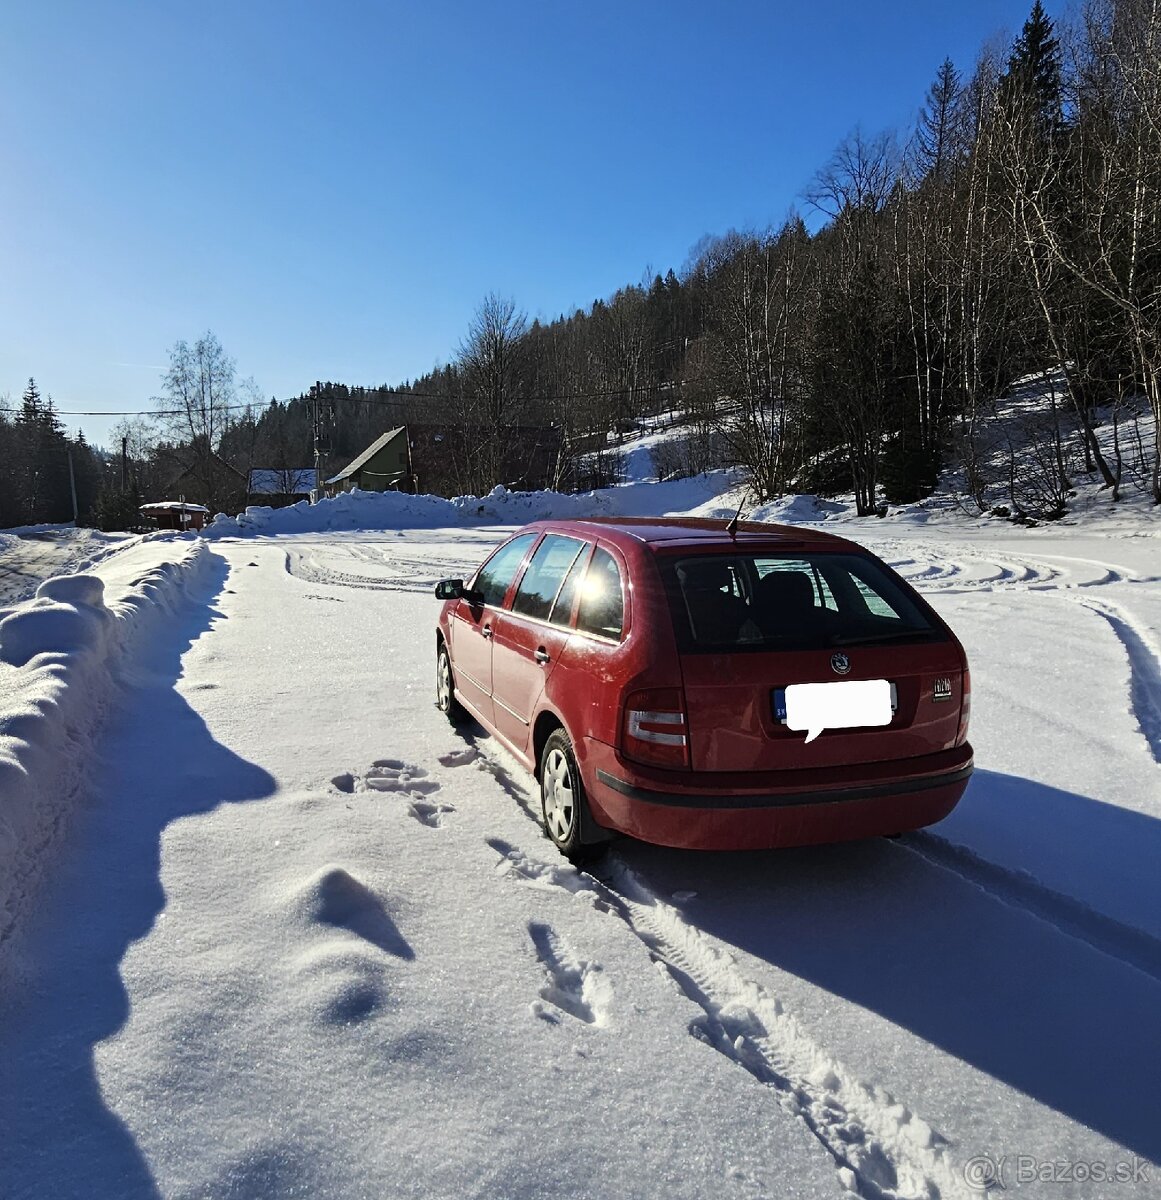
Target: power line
[[389, 398]]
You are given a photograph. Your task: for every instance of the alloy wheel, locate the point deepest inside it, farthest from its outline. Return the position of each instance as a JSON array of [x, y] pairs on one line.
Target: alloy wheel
[[559, 803]]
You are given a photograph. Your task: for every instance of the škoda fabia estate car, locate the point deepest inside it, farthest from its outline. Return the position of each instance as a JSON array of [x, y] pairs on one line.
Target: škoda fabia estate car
[[708, 684]]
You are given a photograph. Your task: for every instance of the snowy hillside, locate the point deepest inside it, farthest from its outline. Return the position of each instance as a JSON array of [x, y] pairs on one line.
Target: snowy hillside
[[294, 935]]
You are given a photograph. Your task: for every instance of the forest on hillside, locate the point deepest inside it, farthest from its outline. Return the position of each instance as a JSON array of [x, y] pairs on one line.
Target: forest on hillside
[[1015, 231]]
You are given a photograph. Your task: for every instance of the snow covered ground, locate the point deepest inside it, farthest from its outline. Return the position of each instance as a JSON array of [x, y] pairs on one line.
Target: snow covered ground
[[301, 938], [32, 553]]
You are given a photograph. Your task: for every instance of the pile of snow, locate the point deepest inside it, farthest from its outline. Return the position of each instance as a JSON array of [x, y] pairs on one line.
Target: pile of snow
[[798, 510], [60, 655], [33, 530], [396, 510]]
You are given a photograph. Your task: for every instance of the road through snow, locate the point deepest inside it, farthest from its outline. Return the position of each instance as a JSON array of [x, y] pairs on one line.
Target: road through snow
[[308, 940], [28, 558]]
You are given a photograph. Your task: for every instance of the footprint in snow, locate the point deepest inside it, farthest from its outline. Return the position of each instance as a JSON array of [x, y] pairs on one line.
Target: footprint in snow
[[574, 986], [459, 758], [430, 815], [403, 778], [393, 775]]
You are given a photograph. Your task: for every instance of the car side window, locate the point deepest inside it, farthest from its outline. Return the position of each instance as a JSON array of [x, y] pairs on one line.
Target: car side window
[[546, 572], [497, 573], [566, 598], [602, 607]]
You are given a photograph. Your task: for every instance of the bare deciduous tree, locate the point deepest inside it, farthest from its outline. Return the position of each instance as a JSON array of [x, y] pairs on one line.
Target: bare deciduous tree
[[194, 412], [491, 358]]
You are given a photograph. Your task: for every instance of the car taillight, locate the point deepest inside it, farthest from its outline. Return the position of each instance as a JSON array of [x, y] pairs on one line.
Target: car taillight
[[965, 708], [654, 729]]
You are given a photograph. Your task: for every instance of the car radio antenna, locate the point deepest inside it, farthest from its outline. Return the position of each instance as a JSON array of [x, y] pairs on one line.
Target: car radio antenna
[[732, 527]]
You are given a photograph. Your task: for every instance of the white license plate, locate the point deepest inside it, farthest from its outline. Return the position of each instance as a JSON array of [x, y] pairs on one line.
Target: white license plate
[[846, 704]]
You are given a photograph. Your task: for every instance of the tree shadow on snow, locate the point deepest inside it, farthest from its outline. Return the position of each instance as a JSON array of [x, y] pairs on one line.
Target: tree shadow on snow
[[1051, 984], [158, 763]]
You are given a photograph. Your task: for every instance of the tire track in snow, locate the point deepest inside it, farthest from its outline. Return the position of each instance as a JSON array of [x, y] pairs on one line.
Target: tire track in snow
[[882, 1150], [1113, 572], [306, 566], [971, 570], [1018, 889], [1144, 669]]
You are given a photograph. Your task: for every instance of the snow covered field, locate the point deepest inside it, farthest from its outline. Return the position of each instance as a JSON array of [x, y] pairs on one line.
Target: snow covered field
[[301, 938]]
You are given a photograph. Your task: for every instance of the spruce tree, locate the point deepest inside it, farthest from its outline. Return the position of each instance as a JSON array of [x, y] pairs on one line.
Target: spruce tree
[[1034, 69], [26, 463], [41, 466], [937, 143]]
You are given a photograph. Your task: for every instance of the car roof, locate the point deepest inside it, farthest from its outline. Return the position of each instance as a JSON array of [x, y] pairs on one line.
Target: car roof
[[664, 533]]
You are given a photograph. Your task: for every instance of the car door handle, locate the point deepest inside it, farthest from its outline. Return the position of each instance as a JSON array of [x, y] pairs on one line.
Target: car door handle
[[487, 631], [541, 656]]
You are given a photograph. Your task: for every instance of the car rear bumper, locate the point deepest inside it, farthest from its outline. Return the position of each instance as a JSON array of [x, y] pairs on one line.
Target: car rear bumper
[[789, 808]]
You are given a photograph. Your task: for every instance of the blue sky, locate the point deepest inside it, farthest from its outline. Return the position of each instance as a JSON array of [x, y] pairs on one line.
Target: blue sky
[[332, 188]]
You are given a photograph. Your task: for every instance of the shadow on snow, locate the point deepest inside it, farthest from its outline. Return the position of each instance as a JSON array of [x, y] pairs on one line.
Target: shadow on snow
[[158, 762], [1018, 979]]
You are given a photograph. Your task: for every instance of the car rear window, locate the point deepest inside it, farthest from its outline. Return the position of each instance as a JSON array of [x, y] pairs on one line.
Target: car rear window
[[770, 602]]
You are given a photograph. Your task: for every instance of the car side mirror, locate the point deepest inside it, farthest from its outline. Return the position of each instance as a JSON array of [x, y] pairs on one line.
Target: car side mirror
[[449, 589]]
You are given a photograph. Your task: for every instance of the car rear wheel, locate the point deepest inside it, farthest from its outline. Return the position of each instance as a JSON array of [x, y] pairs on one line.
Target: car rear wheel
[[445, 696], [562, 800]]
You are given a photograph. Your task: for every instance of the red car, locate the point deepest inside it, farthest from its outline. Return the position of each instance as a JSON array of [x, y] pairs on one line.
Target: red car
[[708, 684]]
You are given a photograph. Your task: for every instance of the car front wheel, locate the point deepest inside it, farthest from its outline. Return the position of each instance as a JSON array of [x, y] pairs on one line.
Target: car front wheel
[[562, 799]]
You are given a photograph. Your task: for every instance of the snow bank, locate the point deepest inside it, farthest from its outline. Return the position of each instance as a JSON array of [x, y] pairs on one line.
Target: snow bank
[[797, 510], [59, 660], [395, 510]]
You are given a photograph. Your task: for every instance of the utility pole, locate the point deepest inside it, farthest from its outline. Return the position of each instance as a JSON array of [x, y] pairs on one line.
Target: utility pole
[[410, 466], [314, 422], [73, 486], [322, 413], [124, 461]]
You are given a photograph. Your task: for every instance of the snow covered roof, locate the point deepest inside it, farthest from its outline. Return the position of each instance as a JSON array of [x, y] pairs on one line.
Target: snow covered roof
[[367, 454], [293, 481], [173, 506]]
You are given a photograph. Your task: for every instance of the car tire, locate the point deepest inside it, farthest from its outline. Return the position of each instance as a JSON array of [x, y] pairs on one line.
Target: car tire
[[563, 806], [445, 694]]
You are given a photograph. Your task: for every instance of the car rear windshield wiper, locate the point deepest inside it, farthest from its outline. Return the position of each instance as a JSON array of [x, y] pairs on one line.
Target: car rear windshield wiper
[[891, 636]]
